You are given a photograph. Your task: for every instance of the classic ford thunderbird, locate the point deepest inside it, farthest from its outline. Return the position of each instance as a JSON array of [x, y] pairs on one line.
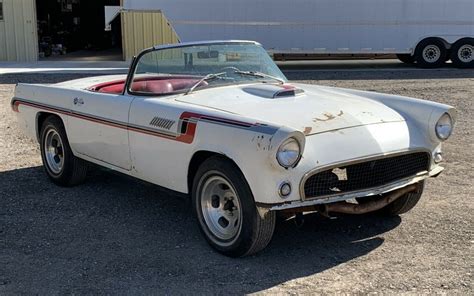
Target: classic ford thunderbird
[[219, 121]]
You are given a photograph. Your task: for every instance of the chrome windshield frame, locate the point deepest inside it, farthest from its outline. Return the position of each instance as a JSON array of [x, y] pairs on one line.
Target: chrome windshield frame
[[136, 58]]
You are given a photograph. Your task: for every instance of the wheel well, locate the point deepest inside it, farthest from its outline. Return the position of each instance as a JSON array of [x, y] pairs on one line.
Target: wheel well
[[465, 39], [447, 45], [198, 158], [40, 118]]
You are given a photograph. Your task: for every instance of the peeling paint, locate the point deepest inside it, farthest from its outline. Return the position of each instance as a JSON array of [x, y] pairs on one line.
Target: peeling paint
[[262, 211], [328, 116]]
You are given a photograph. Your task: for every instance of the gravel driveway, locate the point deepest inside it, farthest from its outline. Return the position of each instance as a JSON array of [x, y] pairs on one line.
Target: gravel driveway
[[116, 235]]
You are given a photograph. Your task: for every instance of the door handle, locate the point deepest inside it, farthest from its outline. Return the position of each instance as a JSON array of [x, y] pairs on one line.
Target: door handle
[[78, 101]]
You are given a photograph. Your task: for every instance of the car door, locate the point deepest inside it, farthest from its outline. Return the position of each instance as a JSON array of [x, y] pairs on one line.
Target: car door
[[97, 127], [159, 144]]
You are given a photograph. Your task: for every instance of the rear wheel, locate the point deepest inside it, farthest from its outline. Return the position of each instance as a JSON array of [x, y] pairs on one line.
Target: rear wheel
[[406, 58], [226, 211], [462, 53], [431, 53], [60, 164]]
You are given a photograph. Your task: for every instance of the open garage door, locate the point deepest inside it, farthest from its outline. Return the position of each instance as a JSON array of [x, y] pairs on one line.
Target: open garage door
[[74, 30]]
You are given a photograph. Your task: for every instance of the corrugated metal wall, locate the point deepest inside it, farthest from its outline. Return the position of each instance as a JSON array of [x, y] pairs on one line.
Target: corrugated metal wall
[[18, 32], [143, 29]]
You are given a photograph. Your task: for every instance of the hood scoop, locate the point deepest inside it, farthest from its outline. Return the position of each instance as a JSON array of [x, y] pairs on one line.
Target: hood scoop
[[273, 91]]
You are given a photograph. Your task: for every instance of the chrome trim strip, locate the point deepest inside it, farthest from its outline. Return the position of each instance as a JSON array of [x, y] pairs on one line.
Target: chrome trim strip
[[257, 127], [351, 162], [206, 42]]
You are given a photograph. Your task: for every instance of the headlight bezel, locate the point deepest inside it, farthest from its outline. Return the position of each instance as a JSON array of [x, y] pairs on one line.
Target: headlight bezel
[[294, 163], [443, 136]]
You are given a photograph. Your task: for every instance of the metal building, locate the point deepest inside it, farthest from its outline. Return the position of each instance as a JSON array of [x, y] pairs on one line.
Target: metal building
[[143, 29], [18, 33]]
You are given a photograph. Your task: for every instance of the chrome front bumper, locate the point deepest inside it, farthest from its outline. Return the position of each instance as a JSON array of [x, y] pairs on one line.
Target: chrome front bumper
[[350, 195]]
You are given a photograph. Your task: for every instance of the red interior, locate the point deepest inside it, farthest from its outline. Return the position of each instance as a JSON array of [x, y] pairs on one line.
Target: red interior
[[148, 85]]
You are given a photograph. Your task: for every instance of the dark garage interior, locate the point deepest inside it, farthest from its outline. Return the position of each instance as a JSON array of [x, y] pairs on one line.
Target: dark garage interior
[[75, 30]]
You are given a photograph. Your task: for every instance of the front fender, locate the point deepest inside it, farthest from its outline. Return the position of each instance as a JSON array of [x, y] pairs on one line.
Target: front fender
[[420, 115], [255, 155]]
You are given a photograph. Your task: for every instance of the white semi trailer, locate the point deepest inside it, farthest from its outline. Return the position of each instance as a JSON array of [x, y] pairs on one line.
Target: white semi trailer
[[425, 32]]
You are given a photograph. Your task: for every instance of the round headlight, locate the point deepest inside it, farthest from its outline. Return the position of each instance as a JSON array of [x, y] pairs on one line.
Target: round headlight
[[444, 127], [289, 153]]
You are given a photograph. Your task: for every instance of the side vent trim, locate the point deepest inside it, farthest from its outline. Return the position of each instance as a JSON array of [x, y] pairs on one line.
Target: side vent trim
[[162, 122]]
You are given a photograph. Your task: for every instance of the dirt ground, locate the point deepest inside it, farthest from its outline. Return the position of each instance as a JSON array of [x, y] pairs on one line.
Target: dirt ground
[[116, 235]]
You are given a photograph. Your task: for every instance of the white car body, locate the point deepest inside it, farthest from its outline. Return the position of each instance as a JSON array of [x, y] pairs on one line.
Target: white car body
[[144, 137]]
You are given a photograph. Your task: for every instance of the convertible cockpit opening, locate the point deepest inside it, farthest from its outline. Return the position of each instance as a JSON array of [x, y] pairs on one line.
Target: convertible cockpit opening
[[153, 85], [187, 67]]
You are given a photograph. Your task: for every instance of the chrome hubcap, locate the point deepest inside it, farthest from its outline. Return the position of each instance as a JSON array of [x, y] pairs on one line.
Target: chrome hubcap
[[431, 53], [54, 152], [221, 208], [466, 53]]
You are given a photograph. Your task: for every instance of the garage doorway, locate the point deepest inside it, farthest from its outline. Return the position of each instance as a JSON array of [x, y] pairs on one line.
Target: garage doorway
[[74, 30]]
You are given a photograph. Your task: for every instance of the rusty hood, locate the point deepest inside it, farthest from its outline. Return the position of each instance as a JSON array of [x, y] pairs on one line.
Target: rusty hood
[[311, 109]]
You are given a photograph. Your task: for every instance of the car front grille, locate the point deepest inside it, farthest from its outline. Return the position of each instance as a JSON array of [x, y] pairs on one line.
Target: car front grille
[[366, 174]]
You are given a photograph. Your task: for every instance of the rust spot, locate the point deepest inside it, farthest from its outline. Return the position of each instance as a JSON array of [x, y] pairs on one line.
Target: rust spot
[[328, 116], [307, 130]]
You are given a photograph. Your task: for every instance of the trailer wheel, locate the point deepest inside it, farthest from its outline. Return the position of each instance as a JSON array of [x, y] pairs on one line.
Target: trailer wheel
[[406, 58], [462, 53], [430, 53]]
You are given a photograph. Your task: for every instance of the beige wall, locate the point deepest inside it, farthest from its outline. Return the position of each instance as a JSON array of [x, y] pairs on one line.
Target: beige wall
[[18, 31], [144, 29]]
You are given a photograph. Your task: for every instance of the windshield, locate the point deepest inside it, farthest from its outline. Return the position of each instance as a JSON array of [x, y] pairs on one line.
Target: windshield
[[193, 67]]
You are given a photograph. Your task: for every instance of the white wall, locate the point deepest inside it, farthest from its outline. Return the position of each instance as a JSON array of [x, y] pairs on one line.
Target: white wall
[[326, 26]]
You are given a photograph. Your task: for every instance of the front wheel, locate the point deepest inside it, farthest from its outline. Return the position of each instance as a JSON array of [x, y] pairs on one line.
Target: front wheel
[[226, 211], [404, 203]]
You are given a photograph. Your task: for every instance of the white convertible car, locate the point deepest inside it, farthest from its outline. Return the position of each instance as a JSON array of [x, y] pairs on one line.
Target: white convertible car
[[218, 120]]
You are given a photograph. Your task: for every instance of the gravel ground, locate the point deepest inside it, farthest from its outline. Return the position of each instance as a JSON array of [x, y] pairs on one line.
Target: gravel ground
[[116, 235]]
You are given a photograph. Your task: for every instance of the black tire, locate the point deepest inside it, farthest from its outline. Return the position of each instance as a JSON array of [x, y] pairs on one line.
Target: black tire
[[462, 53], [254, 232], [73, 170], [406, 58], [405, 203], [431, 53]]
